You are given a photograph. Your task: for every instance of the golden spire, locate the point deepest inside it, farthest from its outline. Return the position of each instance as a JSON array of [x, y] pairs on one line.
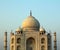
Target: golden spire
[[30, 13]]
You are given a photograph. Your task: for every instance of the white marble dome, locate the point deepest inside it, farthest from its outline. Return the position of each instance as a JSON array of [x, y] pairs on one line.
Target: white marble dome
[[30, 22]]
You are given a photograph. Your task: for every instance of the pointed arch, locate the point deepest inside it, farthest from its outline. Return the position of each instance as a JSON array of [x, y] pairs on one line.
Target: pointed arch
[[18, 40], [19, 47], [43, 48], [12, 40], [30, 44], [12, 47], [43, 40]]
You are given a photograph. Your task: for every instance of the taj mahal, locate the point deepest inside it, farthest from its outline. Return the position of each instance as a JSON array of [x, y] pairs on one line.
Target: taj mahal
[[30, 36]]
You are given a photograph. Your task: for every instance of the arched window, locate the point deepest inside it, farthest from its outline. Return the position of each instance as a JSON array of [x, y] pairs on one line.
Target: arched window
[[43, 40], [12, 41], [18, 40], [12, 48], [42, 48], [18, 48], [30, 44]]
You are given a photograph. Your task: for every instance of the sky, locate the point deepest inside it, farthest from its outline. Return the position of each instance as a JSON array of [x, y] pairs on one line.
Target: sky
[[13, 13]]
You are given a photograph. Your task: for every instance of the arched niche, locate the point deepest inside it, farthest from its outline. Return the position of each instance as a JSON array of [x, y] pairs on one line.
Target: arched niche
[[42, 47], [30, 44], [42, 40], [19, 47], [12, 40], [12, 47], [18, 40]]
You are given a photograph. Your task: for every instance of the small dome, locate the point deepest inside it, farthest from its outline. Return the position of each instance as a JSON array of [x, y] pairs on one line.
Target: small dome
[[42, 29], [18, 29]]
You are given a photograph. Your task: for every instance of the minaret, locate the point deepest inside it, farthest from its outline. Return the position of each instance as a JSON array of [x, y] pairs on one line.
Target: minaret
[[55, 41], [5, 41]]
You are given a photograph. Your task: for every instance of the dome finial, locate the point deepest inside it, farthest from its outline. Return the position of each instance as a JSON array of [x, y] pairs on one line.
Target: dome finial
[[30, 13]]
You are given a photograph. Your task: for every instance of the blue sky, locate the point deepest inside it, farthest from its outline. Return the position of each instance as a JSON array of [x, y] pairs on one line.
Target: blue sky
[[13, 12]]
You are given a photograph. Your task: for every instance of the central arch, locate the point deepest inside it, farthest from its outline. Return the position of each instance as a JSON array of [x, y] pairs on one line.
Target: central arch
[[30, 44]]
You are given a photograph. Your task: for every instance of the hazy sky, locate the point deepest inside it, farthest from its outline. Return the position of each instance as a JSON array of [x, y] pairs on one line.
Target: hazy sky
[[13, 12]]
